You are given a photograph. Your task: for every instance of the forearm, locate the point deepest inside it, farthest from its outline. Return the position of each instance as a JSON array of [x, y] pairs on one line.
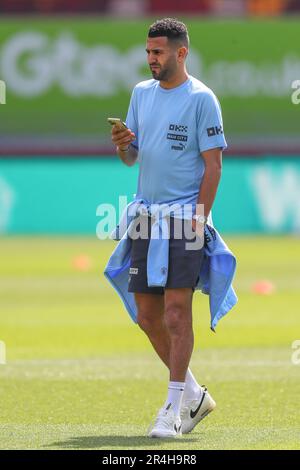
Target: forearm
[[208, 188], [129, 157]]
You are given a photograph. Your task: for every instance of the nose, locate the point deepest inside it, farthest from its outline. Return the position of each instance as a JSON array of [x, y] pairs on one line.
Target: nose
[[151, 59]]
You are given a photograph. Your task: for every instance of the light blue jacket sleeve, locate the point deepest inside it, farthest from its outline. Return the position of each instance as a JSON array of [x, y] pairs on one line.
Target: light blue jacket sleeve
[[215, 276]]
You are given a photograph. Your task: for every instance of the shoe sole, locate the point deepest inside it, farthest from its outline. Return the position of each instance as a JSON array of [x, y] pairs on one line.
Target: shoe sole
[[157, 435]]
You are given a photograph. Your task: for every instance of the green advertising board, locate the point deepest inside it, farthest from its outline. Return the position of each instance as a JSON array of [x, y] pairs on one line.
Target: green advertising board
[[75, 195], [64, 76]]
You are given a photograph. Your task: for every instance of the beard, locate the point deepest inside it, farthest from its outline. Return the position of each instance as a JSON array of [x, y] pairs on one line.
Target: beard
[[163, 73]]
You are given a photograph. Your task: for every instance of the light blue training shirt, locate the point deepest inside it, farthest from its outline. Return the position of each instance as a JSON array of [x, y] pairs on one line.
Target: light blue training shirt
[[172, 128]]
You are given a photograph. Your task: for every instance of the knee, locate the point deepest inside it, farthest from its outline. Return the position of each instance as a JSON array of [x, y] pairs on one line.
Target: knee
[[177, 318], [145, 321]]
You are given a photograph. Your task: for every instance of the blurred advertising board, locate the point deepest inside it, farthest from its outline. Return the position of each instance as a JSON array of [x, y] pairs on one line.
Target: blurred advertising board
[[64, 76], [56, 196]]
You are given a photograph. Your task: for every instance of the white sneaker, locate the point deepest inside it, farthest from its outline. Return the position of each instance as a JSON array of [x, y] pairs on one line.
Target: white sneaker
[[166, 424], [193, 411]]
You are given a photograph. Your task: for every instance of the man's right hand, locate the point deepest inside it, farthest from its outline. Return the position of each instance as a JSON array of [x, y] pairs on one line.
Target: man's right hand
[[122, 138]]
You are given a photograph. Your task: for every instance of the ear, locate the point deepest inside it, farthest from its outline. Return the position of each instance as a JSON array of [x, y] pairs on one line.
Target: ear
[[182, 53]]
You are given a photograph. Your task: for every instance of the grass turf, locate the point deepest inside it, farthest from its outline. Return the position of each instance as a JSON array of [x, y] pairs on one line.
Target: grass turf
[[80, 374]]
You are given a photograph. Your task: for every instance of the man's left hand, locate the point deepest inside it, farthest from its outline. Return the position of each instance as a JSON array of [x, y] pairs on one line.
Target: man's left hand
[[198, 228]]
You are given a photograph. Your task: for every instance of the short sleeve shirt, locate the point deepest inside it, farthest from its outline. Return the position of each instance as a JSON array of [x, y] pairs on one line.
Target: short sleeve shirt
[[172, 128]]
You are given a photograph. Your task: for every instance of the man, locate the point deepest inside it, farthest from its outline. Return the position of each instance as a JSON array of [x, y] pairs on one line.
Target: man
[[175, 130]]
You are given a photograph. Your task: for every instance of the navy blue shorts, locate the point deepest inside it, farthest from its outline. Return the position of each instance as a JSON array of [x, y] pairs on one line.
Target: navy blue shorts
[[184, 264]]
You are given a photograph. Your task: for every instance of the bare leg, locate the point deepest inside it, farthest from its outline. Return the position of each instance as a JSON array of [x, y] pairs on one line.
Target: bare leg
[[178, 319], [167, 321], [151, 321]]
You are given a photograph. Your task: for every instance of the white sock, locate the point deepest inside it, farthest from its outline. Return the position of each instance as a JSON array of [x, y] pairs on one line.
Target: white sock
[[192, 388], [175, 394]]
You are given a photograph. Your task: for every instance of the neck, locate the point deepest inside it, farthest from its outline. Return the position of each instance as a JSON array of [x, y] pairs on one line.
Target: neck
[[175, 81]]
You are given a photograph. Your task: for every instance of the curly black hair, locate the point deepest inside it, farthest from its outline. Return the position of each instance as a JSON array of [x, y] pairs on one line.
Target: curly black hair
[[174, 30]]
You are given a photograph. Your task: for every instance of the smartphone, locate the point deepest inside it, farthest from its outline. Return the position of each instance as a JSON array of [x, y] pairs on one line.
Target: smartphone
[[117, 122]]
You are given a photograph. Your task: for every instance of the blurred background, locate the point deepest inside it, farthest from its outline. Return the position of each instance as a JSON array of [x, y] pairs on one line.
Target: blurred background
[[67, 66]]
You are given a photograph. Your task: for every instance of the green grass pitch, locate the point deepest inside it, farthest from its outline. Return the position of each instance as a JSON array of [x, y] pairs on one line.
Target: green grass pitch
[[80, 374]]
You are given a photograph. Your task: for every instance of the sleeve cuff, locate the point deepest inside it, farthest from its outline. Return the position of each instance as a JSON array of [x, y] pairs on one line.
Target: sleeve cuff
[[214, 145]]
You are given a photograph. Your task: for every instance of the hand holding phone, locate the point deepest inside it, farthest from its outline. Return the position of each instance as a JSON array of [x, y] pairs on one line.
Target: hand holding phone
[[121, 135], [118, 123]]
